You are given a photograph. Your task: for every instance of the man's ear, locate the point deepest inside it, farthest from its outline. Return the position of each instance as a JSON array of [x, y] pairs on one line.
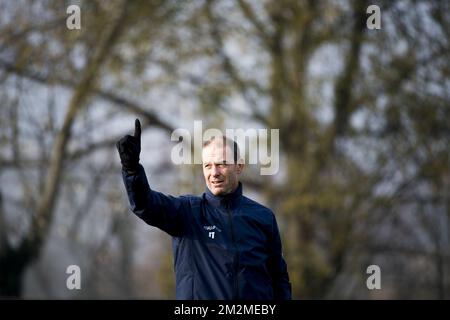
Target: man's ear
[[240, 166]]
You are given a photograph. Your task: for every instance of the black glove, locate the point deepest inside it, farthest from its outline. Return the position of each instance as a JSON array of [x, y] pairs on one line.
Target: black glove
[[129, 148]]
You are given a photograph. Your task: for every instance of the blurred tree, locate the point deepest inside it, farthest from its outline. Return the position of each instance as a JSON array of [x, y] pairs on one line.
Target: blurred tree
[[44, 53], [13, 261]]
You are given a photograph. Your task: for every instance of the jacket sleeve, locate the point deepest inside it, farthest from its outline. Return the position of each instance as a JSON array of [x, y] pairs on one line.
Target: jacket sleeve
[[167, 213], [278, 266]]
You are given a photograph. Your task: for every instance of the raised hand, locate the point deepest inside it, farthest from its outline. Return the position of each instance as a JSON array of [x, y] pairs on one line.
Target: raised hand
[[129, 148]]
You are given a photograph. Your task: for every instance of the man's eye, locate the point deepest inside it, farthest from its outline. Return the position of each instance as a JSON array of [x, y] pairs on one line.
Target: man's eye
[[207, 166]]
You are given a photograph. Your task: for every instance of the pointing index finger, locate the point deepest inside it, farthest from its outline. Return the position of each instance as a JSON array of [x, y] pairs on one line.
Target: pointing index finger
[[137, 129]]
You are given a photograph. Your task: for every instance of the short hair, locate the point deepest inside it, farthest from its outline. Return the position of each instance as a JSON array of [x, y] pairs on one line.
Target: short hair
[[228, 142]]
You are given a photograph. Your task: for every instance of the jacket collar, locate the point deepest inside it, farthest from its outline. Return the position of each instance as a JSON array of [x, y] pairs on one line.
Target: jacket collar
[[230, 200]]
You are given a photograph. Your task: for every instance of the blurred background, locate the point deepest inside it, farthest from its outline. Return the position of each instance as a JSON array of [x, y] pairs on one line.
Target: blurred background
[[364, 121]]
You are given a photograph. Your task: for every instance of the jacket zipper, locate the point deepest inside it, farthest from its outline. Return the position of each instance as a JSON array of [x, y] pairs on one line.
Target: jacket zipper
[[235, 257]]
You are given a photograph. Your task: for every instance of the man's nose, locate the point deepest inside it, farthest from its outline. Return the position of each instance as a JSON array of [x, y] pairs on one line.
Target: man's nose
[[215, 171]]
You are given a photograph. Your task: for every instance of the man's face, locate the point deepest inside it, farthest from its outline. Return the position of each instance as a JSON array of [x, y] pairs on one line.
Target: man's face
[[219, 169]]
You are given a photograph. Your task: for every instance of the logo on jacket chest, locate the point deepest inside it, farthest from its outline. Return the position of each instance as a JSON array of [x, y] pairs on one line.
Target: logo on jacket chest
[[211, 230]]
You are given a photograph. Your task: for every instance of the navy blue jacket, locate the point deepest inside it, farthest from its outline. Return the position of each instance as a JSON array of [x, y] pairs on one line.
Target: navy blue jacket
[[225, 247]]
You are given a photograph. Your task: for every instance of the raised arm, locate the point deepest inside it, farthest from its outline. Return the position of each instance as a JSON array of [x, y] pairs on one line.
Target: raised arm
[[165, 212]]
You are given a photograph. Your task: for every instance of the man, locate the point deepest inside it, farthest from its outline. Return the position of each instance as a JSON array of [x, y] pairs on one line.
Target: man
[[225, 245]]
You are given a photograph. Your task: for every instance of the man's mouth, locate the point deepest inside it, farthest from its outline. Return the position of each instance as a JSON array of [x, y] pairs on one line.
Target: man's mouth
[[216, 183]]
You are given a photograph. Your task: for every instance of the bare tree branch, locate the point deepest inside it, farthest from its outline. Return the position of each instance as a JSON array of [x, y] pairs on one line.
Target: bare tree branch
[[228, 66], [20, 34], [344, 105], [82, 210], [258, 25], [122, 102], [17, 155]]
